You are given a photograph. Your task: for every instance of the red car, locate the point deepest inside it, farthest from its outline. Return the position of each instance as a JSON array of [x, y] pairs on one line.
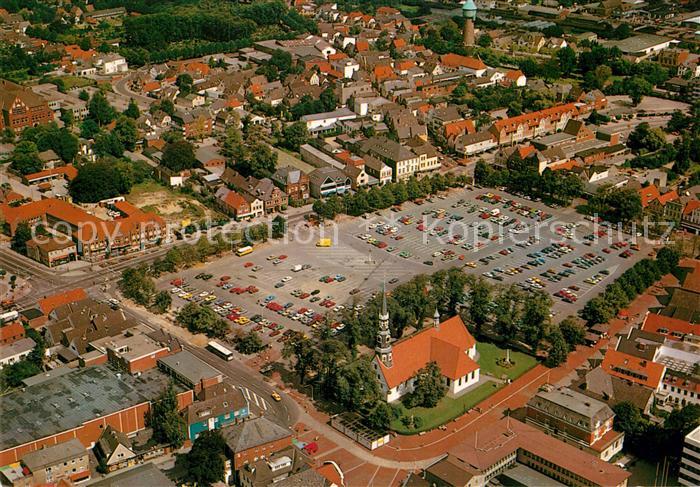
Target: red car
[[274, 333], [282, 257], [248, 264], [225, 278]]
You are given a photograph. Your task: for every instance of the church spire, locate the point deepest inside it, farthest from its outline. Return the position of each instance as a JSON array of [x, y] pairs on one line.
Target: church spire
[[383, 347]]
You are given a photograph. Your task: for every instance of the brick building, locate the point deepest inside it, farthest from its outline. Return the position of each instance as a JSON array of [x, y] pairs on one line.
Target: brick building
[[255, 439], [21, 107], [576, 419]]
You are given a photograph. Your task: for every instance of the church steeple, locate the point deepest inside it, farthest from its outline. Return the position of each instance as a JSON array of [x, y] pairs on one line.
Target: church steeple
[[383, 348]]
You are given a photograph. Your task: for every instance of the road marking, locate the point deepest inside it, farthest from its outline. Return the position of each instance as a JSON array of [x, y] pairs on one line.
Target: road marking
[[255, 397], [264, 404]]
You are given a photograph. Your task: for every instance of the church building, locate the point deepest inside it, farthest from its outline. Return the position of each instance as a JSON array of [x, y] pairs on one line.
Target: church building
[[449, 344]]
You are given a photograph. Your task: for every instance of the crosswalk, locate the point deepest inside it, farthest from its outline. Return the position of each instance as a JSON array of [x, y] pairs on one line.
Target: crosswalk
[[253, 398]]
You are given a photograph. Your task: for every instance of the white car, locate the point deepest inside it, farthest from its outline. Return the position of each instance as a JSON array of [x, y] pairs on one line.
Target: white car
[[204, 294], [176, 290], [286, 278]]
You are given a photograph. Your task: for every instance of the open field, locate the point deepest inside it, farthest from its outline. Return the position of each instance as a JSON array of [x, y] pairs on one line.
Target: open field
[[447, 409], [173, 207]]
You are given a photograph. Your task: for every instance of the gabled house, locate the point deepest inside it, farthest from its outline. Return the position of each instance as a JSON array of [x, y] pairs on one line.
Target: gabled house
[[292, 181], [114, 450], [327, 181], [218, 405]]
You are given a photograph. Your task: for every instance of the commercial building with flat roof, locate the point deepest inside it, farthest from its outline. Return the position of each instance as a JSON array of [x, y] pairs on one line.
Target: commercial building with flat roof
[[79, 405], [189, 370], [690, 459]]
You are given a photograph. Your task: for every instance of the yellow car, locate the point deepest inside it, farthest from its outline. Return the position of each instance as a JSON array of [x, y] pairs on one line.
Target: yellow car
[[243, 320], [276, 396], [210, 298], [471, 264]]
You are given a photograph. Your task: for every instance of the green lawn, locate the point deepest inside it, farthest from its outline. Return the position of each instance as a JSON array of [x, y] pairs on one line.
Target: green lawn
[[489, 354], [446, 410]]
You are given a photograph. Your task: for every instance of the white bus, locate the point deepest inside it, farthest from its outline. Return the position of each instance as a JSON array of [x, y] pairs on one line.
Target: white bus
[[220, 350], [244, 251]]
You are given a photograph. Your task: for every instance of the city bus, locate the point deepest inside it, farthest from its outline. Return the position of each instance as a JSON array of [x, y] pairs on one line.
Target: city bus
[[220, 350], [244, 251]]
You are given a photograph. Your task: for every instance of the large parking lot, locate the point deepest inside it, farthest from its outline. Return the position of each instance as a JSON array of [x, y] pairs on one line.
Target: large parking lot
[[291, 283]]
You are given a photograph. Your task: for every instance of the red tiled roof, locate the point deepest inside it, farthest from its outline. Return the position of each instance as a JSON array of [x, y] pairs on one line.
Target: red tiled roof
[[456, 61], [362, 45], [459, 127], [481, 450], [383, 72], [668, 197], [564, 165], [152, 86], [14, 329], [50, 303], [633, 369], [337, 56], [235, 201], [399, 43], [691, 207], [513, 75], [447, 345], [69, 172], [653, 323], [533, 118], [525, 151], [648, 194]]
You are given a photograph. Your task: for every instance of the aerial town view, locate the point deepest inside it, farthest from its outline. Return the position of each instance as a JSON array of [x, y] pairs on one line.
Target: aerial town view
[[318, 243]]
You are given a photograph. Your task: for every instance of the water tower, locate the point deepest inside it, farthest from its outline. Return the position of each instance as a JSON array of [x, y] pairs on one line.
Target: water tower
[[469, 14]]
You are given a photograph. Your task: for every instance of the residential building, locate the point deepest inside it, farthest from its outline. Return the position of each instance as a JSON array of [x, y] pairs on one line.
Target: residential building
[[133, 351], [20, 107], [15, 351], [378, 170], [328, 121], [576, 419], [194, 123], [327, 181], [190, 371], [403, 162], [237, 205], [96, 239], [52, 251], [449, 344], [292, 181], [11, 332], [534, 124], [286, 467], [272, 197], [218, 405], [689, 474], [64, 461], [111, 63], [640, 371], [690, 219], [114, 450], [255, 439]]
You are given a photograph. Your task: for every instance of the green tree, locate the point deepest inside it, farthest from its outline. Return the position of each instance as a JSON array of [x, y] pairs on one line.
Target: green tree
[[536, 311], [279, 226], [558, 350], [132, 111], [479, 299], [67, 117], [108, 144], [566, 58], [508, 312], [165, 419], [206, 460], [185, 83], [127, 132], [162, 302], [645, 138], [100, 110], [23, 233], [136, 284], [178, 156], [89, 129], [97, 181], [201, 319], [249, 343], [572, 331], [380, 417], [428, 387], [25, 158], [295, 135], [637, 88], [306, 355]]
